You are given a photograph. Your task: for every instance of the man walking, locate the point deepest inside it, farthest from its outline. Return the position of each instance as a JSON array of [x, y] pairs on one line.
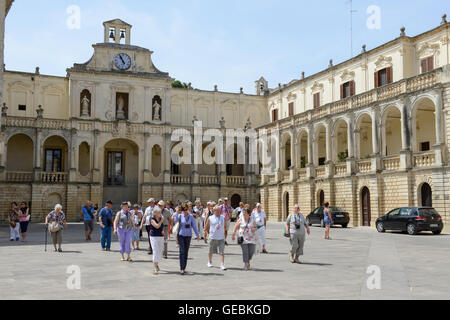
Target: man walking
[[226, 211], [105, 218], [148, 215], [198, 215], [167, 216], [216, 226], [296, 229], [87, 212]]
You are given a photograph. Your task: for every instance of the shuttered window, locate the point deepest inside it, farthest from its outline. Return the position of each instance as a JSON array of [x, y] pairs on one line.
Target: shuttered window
[[383, 77], [348, 89], [427, 64], [317, 100], [291, 109], [275, 115]]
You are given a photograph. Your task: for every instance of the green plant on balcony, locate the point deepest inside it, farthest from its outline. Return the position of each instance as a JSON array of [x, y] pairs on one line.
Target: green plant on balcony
[[303, 162], [343, 156]]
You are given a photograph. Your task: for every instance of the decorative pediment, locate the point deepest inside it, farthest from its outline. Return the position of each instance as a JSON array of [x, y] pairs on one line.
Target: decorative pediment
[[291, 96], [317, 87], [19, 84], [347, 76], [383, 62], [428, 49], [229, 103]]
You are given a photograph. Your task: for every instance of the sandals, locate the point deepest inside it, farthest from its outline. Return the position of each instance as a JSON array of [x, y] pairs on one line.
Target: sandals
[[130, 260]]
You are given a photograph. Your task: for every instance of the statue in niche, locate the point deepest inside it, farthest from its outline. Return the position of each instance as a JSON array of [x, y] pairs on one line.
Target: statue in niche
[[156, 111], [85, 106], [120, 108]]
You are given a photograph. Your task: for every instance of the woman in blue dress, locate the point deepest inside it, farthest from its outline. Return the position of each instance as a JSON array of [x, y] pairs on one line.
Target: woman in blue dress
[[327, 219]]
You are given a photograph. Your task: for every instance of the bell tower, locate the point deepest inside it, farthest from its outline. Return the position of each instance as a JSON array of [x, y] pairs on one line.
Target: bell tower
[[117, 31]]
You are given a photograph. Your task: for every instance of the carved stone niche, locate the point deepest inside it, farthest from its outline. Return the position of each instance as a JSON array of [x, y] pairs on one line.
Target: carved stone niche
[[156, 108], [85, 103], [122, 104]]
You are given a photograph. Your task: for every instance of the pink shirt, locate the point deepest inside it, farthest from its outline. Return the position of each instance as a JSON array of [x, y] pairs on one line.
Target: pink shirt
[[226, 211]]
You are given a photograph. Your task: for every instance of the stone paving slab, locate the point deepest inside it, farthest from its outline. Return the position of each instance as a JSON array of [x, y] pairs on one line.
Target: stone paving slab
[[412, 268]]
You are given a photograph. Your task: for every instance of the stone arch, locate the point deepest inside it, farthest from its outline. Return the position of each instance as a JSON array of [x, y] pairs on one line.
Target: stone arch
[[235, 200], [392, 130], [56, 154], [425, 195], [423, 122], [340, 139], [363, 136], [303, 148], [320, 143], [286, 155], [20, 153], [285, 206], [366, 209]]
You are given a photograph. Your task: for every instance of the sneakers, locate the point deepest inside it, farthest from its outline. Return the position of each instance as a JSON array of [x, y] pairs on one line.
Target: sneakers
[[222, 266], [210, 265], [17, 239]]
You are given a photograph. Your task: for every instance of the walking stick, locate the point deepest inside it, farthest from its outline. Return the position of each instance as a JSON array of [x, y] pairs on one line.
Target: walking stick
[[46, 235]]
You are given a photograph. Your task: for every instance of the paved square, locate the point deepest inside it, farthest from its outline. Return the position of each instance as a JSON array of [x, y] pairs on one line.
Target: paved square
[[411, 268]]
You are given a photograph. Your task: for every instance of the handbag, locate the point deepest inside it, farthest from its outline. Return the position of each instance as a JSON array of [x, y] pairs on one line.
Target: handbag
[[54, 227], [176, 228]]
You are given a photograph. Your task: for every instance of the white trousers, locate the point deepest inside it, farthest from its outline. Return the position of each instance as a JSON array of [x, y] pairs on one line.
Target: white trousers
[[14, 232], [261, 234], [158, 247], [200, 222]]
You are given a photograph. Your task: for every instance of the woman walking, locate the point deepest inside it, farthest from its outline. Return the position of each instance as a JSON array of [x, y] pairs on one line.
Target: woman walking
[[157, 237], [24, 216], [261, 223], [296, 229], [137, 219], [186, 224], [123, 227], [247, 237], [14, 222], [57, 221], [327, 219]]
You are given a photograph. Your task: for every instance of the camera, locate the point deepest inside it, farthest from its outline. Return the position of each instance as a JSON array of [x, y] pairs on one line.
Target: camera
[[187, 226], [297, 226]]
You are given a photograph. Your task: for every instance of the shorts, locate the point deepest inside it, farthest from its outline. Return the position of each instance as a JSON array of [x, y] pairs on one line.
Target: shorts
[[327, 222], [88, 225], [217, 246], [135, 235], [24, 226]]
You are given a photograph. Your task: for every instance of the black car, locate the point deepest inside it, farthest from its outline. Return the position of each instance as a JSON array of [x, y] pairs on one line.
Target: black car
[[411, 220], [340, 217]]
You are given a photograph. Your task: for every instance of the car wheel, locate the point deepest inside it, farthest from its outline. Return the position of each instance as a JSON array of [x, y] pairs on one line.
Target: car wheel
[[438, 232], [345, 226], [322, 223], [380, 227], [411, 229]]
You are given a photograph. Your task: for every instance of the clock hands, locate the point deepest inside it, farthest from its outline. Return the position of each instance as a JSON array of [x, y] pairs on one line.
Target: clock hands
[[123, 61]]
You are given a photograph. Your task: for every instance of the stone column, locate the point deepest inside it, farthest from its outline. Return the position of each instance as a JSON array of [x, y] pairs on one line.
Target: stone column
[[329, 163], [167, 157], [95, 158], [440, 140], [376, 141], [351, 145], [311, 153], [405, 153], [73, 156], [38, 152], [147, 157]]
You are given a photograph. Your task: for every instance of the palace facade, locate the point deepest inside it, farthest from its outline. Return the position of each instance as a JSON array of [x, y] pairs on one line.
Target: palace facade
[[368, 135]]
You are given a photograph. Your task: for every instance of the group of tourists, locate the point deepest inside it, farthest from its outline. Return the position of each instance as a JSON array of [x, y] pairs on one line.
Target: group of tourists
[[184, 220]]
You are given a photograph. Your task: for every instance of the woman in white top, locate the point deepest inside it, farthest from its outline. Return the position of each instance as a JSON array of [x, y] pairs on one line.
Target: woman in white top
[[247, 237], [261, 223]]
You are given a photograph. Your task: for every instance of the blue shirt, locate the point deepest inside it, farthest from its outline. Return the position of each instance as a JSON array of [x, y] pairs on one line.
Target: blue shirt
[[87, 212], [156, 232], [189, 220], [106, 214]]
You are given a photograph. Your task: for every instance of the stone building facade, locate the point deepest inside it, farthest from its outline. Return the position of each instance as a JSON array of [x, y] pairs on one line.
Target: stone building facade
[[368, 135]]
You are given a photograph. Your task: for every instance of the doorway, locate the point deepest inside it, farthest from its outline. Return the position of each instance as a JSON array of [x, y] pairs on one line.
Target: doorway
[[365, 206], [426, 195]]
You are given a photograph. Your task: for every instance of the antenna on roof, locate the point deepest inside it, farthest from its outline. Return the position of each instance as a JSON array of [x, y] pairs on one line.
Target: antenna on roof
[[351, 27]]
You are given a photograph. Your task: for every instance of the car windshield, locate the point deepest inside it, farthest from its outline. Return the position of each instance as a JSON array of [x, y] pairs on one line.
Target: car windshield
[[428, 212]]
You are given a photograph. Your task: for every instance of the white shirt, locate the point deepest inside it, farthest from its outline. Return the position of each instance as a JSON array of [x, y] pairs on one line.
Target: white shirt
[[217, 227], [259, 217], [148, 215]]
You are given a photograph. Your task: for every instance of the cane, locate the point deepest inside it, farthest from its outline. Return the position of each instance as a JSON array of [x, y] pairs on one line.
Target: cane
[[46, 235]]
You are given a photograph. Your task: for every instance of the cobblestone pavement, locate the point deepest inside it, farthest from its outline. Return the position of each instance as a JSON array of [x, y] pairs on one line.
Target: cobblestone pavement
[[411, 268]]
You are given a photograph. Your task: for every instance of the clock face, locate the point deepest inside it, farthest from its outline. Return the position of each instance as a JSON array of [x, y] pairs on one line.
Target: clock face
[[122, 61]]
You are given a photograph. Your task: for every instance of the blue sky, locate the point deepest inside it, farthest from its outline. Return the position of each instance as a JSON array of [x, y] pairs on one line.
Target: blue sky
[[229, 43]]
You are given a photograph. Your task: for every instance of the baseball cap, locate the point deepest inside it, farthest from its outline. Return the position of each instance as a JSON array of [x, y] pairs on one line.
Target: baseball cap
[[161, 203], [151, 200]]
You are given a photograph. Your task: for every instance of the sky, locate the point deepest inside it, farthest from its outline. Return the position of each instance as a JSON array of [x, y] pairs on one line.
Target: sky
[[208, 42]]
